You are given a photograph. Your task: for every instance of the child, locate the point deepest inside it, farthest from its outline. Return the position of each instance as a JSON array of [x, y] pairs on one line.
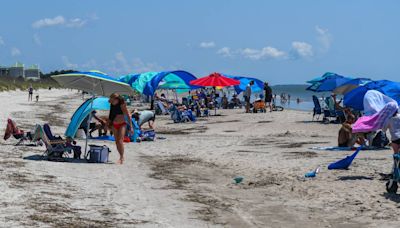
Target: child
[[37, 98], [394, 129]]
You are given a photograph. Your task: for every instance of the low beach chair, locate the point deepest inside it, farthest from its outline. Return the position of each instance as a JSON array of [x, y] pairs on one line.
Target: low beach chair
[[51, 136], [161, 106], [56, 149]]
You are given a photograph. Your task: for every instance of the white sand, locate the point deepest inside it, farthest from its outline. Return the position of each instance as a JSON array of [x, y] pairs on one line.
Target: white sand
[[186, 179]]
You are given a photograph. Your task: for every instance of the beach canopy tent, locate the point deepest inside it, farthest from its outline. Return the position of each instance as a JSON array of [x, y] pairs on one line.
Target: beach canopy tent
[[147, 83], [244, 81], [90, 105], [328, 82], [350, 85], [355, 98]]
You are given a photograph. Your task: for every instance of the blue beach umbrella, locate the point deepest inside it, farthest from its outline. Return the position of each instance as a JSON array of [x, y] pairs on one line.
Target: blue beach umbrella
[[355, 98], [350, 85], [329, 83], [319, 79], [244, 81]]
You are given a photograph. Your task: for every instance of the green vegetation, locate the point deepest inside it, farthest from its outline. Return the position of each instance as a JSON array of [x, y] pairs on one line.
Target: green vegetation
[[10, 83]]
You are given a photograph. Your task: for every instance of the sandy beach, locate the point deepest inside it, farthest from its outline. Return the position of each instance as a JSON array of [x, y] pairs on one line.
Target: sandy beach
[[186, 179]]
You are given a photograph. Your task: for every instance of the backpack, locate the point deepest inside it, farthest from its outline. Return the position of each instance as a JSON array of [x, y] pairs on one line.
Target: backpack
[[380, 140]]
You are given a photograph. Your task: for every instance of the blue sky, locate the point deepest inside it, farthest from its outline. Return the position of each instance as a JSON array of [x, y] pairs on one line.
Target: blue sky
[[281, 41]]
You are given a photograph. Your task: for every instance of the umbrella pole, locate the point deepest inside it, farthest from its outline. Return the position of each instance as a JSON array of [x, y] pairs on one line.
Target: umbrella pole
[[88, 126]]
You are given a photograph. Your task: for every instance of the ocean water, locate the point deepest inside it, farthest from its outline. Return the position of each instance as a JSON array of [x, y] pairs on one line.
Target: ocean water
[[296, 92]]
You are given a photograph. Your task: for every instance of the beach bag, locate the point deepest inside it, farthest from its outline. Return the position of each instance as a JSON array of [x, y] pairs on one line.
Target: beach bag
[[98, 154], [380, 140], [149, 135]]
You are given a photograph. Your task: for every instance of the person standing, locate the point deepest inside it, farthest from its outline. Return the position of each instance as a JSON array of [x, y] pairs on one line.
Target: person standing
[[30, 93], [117, 122], [268, 96], [247, 96]]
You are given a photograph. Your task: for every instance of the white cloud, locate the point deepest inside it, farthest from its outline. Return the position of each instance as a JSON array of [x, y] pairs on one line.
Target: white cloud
[[225, 52], [47, 22], [15, 51], [121, 65], [76, 23], [2, 43], [302, 49], [210, 44], [68, 63], [324, 38], [36, 39], [265, 52], [62, 21]]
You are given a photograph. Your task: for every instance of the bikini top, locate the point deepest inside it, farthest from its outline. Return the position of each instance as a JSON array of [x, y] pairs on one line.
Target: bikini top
[[114, 111]]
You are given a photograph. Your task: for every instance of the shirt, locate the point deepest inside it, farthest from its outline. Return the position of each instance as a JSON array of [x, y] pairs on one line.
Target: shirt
[[145, 116], [268, 91], [394, 127], [247, 92]]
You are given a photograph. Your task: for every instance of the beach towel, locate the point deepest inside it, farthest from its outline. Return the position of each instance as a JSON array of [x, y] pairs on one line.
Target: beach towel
[[377, 121], [375, 101], [345, 162], [338, 148]]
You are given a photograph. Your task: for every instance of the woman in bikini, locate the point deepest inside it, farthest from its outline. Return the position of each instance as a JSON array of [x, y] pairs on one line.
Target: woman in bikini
[[117, 122]]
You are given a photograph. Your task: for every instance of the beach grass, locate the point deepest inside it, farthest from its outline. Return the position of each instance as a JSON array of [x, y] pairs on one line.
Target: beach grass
[[9, 83]]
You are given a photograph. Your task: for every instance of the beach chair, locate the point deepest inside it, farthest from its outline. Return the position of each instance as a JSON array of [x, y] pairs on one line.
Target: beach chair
[[162, 108], [56, 149], [317, 111], [51, 136], [332, 113]]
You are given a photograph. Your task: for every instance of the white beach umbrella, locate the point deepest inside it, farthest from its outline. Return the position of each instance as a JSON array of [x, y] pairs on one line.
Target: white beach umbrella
[[94, 82]]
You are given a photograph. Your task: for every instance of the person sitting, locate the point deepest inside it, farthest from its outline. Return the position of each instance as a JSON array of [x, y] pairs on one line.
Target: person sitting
[[101, 126], [143, 117], [235, 102], [346, 138], [21, 135]]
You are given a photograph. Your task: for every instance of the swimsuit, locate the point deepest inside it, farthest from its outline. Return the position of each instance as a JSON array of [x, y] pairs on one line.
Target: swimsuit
[[114, 111], [117, 126]]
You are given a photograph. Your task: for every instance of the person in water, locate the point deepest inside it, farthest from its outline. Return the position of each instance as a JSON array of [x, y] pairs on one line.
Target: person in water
[[118, 116]]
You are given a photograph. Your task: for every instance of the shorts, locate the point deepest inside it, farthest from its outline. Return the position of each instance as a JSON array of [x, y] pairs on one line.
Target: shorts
[[268, 99], [247, 99], [397, 141]]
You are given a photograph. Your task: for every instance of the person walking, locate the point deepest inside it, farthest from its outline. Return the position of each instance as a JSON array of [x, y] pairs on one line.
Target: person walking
[[268, 96], [30, 93], [117, 122]]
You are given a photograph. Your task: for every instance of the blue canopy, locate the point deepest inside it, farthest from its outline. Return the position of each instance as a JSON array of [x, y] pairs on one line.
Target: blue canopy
[[328, 83], [244, 81], [355, 98], [147, 83], [100, 103]]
